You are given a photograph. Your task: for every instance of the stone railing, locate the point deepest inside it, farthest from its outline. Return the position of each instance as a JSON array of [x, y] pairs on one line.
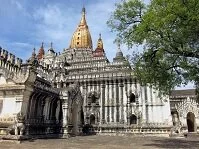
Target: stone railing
[[9, 61]]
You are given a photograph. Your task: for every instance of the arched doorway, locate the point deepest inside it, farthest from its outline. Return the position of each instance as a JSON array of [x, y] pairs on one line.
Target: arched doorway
[[191, 122], [133, 119], [92, 119]]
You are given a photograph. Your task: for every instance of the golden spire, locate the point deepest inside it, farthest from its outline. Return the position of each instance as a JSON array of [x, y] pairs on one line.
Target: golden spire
[[81, 37], [83, 19], [100, 42]]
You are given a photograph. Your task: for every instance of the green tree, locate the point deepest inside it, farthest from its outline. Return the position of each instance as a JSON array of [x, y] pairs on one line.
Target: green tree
[[169, 31]]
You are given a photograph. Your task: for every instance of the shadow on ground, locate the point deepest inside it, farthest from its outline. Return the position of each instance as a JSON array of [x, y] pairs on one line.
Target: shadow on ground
[[174, 143]]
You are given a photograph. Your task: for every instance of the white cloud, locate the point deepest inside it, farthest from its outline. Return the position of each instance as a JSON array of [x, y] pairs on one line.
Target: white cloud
[[53, 24], [50, 16], [17, 4]]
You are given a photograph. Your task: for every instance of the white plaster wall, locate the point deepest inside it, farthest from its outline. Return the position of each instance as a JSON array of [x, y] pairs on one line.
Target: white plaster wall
[[183, 121], [159, 107], [2, 80], [9, 107], [166, 113]]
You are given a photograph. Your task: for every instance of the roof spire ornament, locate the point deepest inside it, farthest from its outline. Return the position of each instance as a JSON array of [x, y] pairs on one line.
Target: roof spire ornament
[[100, 36], [83, 10], [42, 45], [119, 55], [41, 52], [33, 60], [118, 45], [83, 19], [100, 42], [51, 45], [33, 53]]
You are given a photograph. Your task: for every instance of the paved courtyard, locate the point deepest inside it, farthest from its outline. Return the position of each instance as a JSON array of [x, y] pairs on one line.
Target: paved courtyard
[[105, 142]]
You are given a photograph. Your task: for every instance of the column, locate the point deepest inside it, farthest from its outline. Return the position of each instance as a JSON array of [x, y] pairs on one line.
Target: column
[[84, 93], [65, 117], [121, 86], [43, 105], [125, 98], [102, 103], [128, 101], [143, 101], [88, 91], [112, 101], [46, 109], [115, 101], [108, 103]]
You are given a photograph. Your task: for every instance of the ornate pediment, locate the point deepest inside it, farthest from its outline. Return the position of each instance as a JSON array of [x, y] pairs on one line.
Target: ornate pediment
[[188, 105]]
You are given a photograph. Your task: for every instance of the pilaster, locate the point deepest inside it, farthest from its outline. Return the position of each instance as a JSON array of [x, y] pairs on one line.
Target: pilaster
[[112, 101], [121, 86], [102, 109]]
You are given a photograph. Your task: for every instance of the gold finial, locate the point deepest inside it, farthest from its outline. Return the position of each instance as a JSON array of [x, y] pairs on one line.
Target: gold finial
[[42, 45], [100, 42], [83, 10], [83, 19]]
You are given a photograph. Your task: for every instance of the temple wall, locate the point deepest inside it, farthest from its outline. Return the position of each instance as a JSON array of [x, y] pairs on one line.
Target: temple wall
[[115, 106]]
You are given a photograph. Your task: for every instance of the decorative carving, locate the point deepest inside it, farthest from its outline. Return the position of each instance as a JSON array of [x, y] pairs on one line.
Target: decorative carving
[[18, 127], [188, 105], [94, 96]]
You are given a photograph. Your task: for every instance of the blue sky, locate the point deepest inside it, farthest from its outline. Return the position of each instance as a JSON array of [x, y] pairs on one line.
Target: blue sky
[[27, 23]]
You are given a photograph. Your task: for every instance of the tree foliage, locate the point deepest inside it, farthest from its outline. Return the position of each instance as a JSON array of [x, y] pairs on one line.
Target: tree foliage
[[169, 31]]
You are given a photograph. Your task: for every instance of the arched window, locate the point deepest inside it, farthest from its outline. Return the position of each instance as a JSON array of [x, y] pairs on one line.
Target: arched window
[[93, 99], [92, 119], [61, 84], [55, 85], [133, 119], [132, 98]]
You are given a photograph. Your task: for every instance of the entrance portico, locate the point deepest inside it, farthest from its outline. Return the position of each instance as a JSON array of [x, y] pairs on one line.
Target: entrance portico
[[188, 114]]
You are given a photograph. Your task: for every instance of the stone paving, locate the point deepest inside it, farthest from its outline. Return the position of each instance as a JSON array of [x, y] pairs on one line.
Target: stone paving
[[106, 142]]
